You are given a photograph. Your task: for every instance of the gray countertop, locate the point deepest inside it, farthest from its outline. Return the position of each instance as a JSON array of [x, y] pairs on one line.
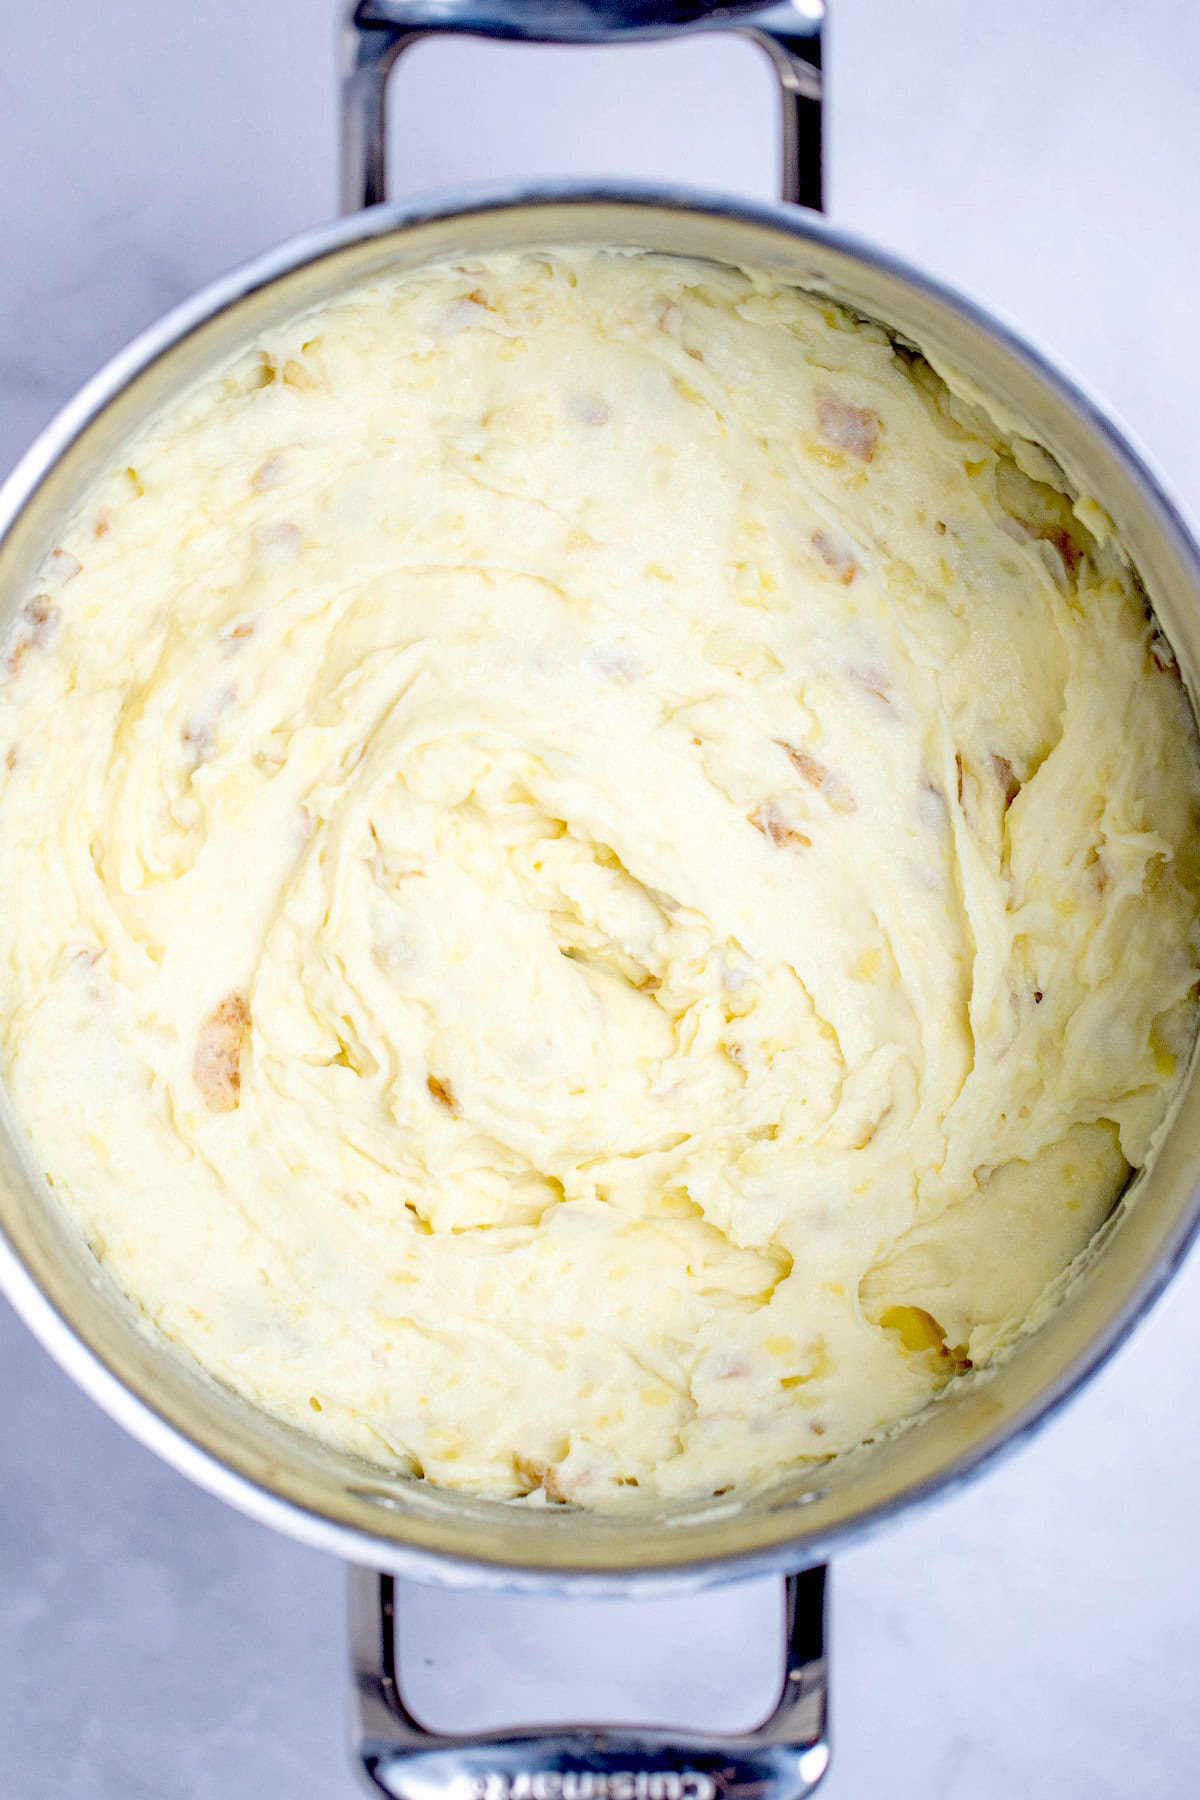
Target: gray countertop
[[1038, 1632]]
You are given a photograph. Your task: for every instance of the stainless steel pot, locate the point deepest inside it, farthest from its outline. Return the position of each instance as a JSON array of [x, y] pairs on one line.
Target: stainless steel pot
[[331, 1499]]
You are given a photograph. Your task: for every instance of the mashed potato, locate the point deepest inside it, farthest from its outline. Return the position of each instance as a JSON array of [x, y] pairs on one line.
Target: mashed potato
[[601, 877]]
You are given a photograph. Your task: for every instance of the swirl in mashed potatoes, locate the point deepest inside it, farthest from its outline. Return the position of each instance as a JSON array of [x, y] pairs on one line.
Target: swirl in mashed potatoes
[[601, 877]]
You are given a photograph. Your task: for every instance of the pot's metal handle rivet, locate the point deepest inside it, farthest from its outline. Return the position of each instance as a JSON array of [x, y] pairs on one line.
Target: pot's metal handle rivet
[[378, 31], [782, 1759]]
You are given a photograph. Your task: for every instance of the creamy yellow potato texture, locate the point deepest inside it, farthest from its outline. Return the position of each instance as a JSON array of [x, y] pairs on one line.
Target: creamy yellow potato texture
[[601, 877]]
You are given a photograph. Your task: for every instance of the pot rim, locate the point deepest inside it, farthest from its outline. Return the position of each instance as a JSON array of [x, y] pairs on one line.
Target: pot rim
[[137, 1414]]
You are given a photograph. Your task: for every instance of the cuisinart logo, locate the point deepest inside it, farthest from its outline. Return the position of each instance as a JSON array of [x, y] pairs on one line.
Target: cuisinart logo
[[589, 1784]]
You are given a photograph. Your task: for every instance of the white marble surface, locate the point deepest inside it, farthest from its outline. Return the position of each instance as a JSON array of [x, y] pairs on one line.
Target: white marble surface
[[1038, 1633]]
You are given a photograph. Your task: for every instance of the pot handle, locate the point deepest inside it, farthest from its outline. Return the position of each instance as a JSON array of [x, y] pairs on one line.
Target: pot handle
[[782, 1759], [378, 31]]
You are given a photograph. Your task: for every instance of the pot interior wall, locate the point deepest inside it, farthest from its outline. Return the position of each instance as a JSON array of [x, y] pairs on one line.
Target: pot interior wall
[[333, 1499]]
